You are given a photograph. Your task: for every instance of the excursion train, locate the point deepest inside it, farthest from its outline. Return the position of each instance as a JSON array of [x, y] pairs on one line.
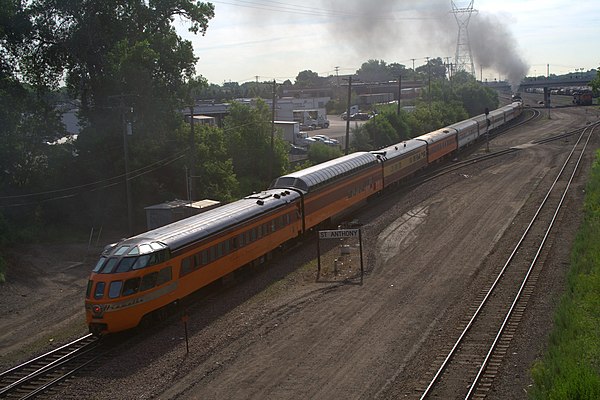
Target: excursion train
[[140, 279]]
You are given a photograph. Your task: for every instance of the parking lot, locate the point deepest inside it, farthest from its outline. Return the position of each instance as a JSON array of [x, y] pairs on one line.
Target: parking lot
[[337, 129]]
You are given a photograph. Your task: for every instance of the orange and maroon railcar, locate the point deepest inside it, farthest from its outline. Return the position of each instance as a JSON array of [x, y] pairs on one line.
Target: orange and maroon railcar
[[144, 275], [402, 160], [440, 143], [334, 188]]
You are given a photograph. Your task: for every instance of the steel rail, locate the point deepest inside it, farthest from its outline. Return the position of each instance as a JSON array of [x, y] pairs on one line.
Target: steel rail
[[461, 337], [534, 261]]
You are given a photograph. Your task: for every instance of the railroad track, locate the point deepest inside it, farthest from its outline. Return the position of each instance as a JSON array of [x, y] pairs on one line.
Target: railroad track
[[430, 175], [469, 366], [38, 375]]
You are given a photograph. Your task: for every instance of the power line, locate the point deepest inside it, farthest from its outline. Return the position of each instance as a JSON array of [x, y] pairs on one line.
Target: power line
[[287, 8], [103, 183]]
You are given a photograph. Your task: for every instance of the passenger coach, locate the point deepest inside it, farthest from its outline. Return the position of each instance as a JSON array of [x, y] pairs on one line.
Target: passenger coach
[[334, 188], [142, 275], [402, 160]]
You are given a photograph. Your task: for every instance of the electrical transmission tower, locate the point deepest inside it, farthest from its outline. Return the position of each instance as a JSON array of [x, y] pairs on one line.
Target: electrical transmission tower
[[464, 58]]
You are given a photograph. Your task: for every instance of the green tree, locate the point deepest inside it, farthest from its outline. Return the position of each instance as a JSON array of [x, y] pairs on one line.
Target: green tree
[[249, 130], [475, 98], [27, 122], [595, 83], [395, 70], [374, 71], [381, 132], [308, 79], [215, 178], [361, 141], [320, 152], [128, 66]]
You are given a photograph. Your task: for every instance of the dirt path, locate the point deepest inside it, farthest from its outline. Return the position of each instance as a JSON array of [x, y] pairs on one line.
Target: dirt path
[[281, 335]]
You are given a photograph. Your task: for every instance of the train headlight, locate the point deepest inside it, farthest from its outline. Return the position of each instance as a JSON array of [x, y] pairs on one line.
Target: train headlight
[[97, 311]]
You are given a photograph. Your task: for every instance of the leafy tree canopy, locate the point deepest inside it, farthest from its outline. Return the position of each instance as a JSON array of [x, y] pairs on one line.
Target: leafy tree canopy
[[249, 130], [596, 83], [308, 79], [320, 152]]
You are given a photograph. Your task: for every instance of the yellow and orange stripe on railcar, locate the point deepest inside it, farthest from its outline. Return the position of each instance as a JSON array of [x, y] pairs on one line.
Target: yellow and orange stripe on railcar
[[126, 312], [396, 169], [440, 143], [335, 199]]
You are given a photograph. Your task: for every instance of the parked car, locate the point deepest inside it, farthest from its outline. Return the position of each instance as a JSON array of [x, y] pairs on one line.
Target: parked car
[[326, 139], [297, 150], [307, 127], [307, 141], [360, 116]]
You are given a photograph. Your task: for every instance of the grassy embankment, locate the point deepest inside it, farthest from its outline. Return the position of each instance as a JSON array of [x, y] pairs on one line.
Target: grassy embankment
[[571, 367]]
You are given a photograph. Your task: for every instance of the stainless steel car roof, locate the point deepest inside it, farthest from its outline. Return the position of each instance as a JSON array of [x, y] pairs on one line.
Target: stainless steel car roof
[[399, 149], [311, 177], [463, 124], [197, 227], [438, 135]]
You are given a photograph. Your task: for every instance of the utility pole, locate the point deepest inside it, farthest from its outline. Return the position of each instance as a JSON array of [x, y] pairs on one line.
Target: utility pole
[[399, 92], [428, 82], [127, 131], [192, 156], [348, 114], [487, 130], [272, 131]]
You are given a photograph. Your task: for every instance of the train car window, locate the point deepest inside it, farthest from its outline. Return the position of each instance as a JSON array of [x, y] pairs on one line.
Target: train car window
[[211, 254], [248, 237], [157, 246], [259, 231], [99, 264], [145, 248], [241, 239], [149, 281], [154, 259], [253, 234], [88, 291], [109, 265], [126, 264], [226, 245], [121, 250], [163, 276], [273, 226], [187, 266], [219, 250], [114, 289], [234, 243], [131, 286], [141, 262], [205, 257], [99, 292]]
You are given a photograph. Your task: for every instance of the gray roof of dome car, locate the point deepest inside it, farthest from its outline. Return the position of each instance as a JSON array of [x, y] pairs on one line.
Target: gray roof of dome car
[[183, 232], [308, 178]]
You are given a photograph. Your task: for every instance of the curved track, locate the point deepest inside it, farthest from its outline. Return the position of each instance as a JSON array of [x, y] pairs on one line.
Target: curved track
[[469, 367]]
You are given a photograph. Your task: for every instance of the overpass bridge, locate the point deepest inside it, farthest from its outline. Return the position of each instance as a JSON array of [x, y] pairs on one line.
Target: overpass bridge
[[547, 84]]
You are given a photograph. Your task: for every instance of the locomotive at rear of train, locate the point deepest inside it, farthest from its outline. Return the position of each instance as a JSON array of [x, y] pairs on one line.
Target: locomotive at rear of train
[[141, 278]]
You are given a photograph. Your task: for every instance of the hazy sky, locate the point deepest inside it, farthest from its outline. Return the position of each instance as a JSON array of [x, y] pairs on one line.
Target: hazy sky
[[278, 39]]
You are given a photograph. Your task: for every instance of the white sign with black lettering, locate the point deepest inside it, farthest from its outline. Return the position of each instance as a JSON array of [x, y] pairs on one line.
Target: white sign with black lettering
[[339, 234]]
